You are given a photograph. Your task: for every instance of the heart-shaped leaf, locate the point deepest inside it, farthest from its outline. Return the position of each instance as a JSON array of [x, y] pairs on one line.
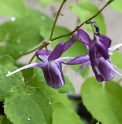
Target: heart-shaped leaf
[[104, 101], [28, 106]]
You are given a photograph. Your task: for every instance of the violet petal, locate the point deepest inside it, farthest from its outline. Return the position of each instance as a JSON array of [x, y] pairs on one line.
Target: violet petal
[[42, 54], [84, 37], [102, 49], [57, 52], [97, 74], [87, 63], [53, 75], [105, 40], [92, 53], [106, 73], [63, 59], [69, 43], [78, 60], [110, 66]]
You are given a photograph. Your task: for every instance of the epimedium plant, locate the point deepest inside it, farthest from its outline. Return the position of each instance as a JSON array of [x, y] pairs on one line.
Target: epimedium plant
[[36, 93]]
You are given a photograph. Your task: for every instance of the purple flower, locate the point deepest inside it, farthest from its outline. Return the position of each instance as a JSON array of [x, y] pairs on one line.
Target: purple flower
[[51, 64], [98, 57]]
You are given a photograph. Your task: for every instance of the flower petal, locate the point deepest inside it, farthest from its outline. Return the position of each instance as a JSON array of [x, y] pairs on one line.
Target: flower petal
[[97, 74], [57, 52], [42, 55], [84, 37], [102, 49], [92, 53], [78, 60], [63, 59], [110, 66], [53, 75], [105, 71], [105, 40], [83, 66], [69, 43], [102, 45]]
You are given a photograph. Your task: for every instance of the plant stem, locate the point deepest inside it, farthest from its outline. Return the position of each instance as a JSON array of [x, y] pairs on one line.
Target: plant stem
[[27, 52], [40, 47], [57, 15], [84, 21], [31, 59]]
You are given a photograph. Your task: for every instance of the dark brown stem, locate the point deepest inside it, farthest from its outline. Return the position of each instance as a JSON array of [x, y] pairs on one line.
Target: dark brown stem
[[57, 15]]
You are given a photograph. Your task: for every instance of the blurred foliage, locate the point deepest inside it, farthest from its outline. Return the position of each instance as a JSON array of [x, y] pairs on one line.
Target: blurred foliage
[[48, 2]]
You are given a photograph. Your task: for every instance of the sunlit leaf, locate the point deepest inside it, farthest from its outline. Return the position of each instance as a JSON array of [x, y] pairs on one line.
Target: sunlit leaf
[[12, 7], [45, 2], [104, 102], [48, 2], [64, 115], [28, 106], [116, 5], [86, 10]]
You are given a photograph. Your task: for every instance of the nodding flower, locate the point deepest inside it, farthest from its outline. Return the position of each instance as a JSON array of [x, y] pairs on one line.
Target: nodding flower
[[51, 64], [98, 57]]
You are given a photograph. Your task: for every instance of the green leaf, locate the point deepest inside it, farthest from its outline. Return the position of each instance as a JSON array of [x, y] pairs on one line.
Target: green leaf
[[28, 74], [12, 7], [76, 49], [45, 2], [116, 59], [7, 83], [51, 93], [28, 106], [1, 118], [48, 2], [86, 10], [38, 73], [103, 101], [116, 5], [64, 115], [67, 87], [22, 34], [6, 121]]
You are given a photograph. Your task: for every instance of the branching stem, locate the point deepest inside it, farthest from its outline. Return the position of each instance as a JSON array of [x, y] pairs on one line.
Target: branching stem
[[57, 15]]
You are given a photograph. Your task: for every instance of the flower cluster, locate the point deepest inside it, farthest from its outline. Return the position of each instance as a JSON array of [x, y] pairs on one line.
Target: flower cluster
[[99, 51]]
